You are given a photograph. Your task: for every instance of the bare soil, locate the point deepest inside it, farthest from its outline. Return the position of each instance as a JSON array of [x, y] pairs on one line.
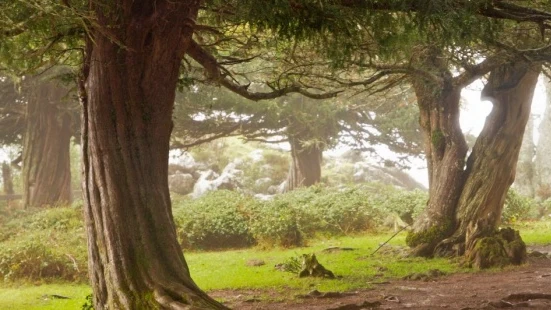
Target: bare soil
[[523, 287]]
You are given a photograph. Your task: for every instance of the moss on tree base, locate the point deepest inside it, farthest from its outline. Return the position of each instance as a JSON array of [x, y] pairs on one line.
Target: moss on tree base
[[423, 242], [503, 248]]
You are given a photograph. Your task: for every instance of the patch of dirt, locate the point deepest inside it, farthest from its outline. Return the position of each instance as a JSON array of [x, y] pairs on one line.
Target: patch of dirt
[[523, 287]]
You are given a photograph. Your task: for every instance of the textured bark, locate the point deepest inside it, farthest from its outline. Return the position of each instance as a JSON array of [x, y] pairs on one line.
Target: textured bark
[[466, 196], [7, 179], [445, 149], [46, 148], [543, 152], [492, 164], [135, 261], [305, 169], [526, 175]]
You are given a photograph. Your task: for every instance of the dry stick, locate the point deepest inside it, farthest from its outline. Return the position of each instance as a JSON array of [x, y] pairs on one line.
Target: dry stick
[[380, 246]]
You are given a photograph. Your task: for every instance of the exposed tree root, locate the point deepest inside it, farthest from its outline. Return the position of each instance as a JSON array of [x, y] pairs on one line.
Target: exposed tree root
[[527, 296]]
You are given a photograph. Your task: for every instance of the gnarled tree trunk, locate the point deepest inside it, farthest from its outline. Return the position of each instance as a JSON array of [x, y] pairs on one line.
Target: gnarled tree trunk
[[445, 149], [469, 199], [46, 169], [492, 164], [305, 169], [135, 261]]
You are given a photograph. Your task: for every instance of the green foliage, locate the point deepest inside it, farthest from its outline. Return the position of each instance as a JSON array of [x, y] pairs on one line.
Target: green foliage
[[89, 303], [277, 222], [342, 212], [292, 264], [43, 244], [214, 221], [228, 219], [517, 207], [32, 260], [437, 138]]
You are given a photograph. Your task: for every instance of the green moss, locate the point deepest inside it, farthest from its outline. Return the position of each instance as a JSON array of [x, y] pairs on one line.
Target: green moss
[[434, 234], [437, 137], [489, 252]]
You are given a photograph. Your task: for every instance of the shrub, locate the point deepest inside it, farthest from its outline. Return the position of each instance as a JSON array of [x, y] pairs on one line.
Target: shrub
[[43, 244], [34, 260], [276, 222], [341, 212], [58, 218], [517, 207], [215, 221]]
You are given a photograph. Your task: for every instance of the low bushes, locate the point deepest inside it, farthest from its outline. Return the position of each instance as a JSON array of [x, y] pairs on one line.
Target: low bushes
[[225, 219], [32, 260], [51, 243], [43, 244], [214, 221]]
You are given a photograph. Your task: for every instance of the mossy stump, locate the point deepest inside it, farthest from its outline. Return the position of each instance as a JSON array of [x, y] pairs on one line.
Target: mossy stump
[[503, 248], [312, 268]]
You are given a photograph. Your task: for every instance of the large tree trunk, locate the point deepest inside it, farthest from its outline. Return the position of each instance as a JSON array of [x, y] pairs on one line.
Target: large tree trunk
[[305, 169], [492, 164], [525, 178], [135, 261], [469, 199], [46, 148], [445, 149], [543, 152]]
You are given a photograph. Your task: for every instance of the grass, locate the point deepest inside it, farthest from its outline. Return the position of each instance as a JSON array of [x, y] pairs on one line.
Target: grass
[[229, 269], [31, 297], [535, 233], [357, 268]]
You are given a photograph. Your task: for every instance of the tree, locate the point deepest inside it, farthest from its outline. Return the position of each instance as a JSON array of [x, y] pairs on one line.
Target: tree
[[130, 72], [46, 158], [468, 192], [39, 114], [309, 126]]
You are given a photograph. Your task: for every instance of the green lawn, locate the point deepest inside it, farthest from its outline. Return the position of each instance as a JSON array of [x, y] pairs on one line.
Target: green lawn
[[229, 269], [30, 297]]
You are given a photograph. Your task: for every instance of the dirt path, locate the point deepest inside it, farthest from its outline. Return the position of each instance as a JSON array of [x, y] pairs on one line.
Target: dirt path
[[481, 290]]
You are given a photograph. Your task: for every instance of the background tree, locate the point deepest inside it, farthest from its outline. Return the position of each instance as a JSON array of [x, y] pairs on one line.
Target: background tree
[[50, 124], [40, 115], [309, 126]]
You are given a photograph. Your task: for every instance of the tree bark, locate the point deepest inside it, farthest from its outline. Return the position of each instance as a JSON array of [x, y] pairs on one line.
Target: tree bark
[[471, 195], [135, 261], [46, 169], [7, 179], [445, 149], [492, 164], [305, 169]]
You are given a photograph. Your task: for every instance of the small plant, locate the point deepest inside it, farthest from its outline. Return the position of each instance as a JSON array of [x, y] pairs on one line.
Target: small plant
[[89, 303], [293, 264]]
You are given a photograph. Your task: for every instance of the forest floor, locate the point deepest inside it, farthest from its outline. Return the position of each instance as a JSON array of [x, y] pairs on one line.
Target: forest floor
[[523, 287]]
